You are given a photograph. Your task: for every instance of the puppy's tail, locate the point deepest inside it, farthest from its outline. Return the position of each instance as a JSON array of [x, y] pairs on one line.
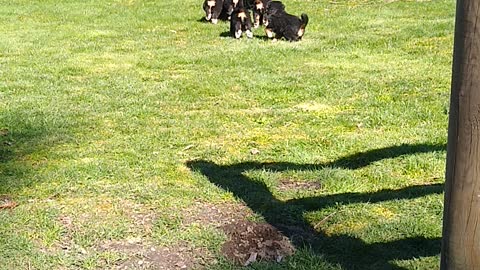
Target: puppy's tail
[[304, 21]]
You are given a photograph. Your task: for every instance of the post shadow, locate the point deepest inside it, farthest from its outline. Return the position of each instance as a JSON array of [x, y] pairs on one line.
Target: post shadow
[[287, 216]]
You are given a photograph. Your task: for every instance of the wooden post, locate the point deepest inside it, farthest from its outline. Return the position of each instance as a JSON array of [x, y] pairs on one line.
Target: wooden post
[[461, 218]]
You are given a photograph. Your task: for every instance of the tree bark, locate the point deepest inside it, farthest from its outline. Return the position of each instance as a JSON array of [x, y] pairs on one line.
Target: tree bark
[[461, 217]]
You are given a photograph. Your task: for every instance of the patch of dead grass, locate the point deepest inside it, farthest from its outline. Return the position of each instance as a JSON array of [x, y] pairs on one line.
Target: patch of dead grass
[[144, 255], [216, 215]]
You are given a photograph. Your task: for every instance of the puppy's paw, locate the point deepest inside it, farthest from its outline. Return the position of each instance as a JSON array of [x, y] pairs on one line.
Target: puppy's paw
[[214, 21], [249, 34], [269, 32], [238, 34]]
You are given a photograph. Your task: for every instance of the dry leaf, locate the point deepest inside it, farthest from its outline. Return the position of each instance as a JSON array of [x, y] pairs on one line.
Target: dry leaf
[[254, 151], [7, 204], [251, 259]]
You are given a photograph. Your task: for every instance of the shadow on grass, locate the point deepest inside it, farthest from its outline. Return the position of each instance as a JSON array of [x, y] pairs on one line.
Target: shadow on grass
[[287, 216], [227, 34], [202, 20], [223, 18], [21, 135]]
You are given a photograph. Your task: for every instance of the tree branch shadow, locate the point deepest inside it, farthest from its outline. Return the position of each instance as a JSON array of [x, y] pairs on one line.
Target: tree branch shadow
[[287, 216]]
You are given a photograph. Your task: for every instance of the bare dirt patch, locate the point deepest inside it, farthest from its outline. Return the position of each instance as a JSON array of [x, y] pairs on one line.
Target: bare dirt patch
[[290, 184], [247, 242], [146, 256], [250, 242], [216, 215]]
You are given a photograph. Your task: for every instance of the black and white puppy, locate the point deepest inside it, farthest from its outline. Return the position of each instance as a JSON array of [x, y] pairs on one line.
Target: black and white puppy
[[278, 23], [259, 7], [230, 5], [241, 22], [213, 10]]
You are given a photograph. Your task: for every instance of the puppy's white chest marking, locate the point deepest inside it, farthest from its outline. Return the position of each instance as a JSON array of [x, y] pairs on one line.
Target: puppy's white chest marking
[[259, 6], [211, 3]]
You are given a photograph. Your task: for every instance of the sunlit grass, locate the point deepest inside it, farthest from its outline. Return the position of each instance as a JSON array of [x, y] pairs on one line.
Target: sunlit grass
[[104, 103]]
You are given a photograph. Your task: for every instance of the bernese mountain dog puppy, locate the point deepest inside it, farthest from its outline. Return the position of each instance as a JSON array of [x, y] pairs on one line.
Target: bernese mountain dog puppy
[[230, 5], [278, 23], [241, 22], [213, 10], [259, 7]]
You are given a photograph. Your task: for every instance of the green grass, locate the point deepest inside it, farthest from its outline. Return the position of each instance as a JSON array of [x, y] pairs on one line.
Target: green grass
[[116, 111]]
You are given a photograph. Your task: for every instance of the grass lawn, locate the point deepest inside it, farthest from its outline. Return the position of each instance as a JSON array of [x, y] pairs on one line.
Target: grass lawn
[[132, 134]]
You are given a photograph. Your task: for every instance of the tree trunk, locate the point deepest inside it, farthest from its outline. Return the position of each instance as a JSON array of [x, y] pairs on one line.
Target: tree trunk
[[461, 221]]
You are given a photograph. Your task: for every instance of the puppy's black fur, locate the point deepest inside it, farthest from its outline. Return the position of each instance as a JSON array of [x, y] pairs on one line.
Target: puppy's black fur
[[281, 24], [230, 5], [259, 7], [213, 10], [241, 22]]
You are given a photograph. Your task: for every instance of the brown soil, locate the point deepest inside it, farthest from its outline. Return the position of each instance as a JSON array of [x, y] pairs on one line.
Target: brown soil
[[146, 256], [216, 215], [249, 242]]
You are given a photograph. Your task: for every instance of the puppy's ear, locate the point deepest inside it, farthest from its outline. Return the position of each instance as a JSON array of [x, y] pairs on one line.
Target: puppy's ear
[[274, 7]]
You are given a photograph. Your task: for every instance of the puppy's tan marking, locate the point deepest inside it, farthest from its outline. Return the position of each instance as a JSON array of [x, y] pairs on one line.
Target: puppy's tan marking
[[242, 16], [211, 3]]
